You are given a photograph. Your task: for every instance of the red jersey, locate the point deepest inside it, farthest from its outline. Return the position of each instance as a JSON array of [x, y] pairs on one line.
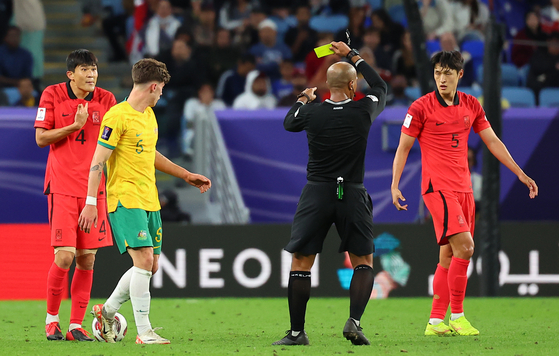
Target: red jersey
[[442, 132], [70, 158]]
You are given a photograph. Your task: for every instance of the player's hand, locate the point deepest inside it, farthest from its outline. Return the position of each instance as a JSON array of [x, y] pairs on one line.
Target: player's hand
[[531, 184], [88, 217], [310, 92], [81, 116], [396, 197], [199, 181], [340, 48]]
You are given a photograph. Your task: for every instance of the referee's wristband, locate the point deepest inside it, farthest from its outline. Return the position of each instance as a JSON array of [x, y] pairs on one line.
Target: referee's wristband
[[91, 201]]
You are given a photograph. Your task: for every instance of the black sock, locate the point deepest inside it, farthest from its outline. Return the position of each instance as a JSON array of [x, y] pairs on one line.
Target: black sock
[[360, 290], [298, 293]]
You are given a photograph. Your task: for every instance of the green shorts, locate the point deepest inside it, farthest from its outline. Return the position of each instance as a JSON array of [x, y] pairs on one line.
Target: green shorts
[[136, 228]]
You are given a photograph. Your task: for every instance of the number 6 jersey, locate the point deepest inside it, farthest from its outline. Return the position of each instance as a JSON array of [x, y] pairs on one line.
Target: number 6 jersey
[[69, 159]]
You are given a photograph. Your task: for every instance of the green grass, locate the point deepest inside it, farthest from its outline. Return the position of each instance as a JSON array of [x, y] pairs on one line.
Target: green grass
[[508, 326]]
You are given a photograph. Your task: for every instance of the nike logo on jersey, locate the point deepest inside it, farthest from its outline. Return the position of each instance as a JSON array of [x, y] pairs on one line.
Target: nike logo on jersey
[[101, 238], [139, 134], [440, 123], [64, 115]]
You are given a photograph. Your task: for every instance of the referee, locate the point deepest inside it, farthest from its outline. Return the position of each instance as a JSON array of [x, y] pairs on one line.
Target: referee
[[337, 132]]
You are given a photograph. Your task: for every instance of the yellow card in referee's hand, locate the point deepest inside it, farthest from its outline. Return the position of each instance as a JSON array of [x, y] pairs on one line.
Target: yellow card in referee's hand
[[323, 51]]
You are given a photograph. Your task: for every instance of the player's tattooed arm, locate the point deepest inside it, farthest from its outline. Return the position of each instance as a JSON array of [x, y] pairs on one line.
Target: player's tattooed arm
[[99, 167]]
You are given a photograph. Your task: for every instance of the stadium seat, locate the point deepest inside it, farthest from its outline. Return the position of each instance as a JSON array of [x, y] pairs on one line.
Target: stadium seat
[[433, 46], [331, 24], [13, 95], [509, 75], [471, 90], [398, 14], [549, 97], [413, 92], [375, 4], [519, 97], [523, 74], [475, 49]]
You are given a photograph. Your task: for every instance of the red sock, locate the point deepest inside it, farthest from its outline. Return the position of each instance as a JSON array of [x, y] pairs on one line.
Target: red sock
[[81, 292], [457, 281], [55, 288], [441, 294]]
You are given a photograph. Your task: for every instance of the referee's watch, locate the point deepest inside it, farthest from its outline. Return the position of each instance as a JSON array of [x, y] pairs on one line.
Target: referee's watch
[[352, 54]]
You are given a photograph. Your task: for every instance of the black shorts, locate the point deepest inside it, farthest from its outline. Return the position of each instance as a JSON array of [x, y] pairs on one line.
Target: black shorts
[[319, 208]]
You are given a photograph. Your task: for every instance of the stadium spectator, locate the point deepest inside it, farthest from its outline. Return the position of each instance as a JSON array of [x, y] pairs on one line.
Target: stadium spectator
[[30, 18], [160, 29], [298, 84], [91, 12], [170, 209], [544, 66], [282, 18], [362, 86], [269, 52], [437, 17], [283, 86], [204, 31], [234, 15], [232, 82], [6, 11], [521, 53], [222, 56], [470, 18], [356, 27], [15, 62], [550, 17], [114, 27], [257, 94], [397, 92], [301, 38], [371, 40], [246, 36], [195, 109], [390, 31], [28, 97], [403, 60]]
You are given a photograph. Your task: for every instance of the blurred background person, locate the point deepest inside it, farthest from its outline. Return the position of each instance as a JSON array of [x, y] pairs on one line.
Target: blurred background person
[[232, 82], [15, 62], [298, 84], [28, 97], [544, 66], [160, 29], [269, 52], [521, 53], [257, 94], [29, 16], [470, 19], [301, 38], [437, 17]]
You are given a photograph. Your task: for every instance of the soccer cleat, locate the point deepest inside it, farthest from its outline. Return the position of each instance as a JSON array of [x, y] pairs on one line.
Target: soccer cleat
[[107, 331], [53, 331], [78, 334], [354, 333], [441, 329], [289, 339], [150, 337], [463, 327]]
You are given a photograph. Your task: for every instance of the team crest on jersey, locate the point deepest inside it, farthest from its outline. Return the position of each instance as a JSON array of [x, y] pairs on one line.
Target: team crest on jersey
[[142, 235], [106, 133], [96, 117], [58, 234], [467, 122], [460, 220]]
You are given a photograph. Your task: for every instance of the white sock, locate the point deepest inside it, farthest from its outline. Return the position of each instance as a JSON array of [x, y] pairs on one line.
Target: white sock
[[435, 321], [295, 333], [455, 316], [356, 321], [52, 319], [140, 298], [74, 326], [120, 295]]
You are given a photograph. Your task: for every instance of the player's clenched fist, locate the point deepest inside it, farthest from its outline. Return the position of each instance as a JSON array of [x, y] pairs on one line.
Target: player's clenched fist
[[87, 218], [81, 115]]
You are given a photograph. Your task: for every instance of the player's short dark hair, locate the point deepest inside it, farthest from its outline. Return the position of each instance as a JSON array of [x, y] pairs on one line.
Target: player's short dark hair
[[448, 59], [80, 57], [150, 70]]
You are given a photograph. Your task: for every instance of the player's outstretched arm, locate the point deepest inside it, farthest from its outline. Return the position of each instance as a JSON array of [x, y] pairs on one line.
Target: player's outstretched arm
[[88, 215], [404, 147], [45, 137], [499, 150], [164, 165]]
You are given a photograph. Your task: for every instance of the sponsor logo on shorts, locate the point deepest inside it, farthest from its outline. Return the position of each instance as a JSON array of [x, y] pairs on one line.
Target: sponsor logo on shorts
[[460, 220], [142, 235], [58, 234], [96, 117], [106, 133]]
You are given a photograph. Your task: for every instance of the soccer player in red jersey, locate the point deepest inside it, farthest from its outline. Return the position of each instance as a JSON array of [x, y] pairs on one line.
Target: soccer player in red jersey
[[68, 120], [441, 122]]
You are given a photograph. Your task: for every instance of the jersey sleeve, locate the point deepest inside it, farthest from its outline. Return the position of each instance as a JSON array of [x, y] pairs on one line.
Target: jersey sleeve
[[414, 121], [296, 118], [45, 111], [374, 103], [480, 122], [113, 128]]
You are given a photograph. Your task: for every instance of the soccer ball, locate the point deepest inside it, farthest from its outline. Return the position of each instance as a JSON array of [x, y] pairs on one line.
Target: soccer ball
[[120, 328]]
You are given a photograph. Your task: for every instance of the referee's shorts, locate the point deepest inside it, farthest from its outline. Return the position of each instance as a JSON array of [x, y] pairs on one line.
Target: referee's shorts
[[319, 208]]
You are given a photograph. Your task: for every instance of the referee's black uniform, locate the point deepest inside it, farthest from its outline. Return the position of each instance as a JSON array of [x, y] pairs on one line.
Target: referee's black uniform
[[337, 134]]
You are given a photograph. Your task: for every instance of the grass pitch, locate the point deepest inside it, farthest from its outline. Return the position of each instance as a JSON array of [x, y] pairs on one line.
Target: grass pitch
[[508, 326]]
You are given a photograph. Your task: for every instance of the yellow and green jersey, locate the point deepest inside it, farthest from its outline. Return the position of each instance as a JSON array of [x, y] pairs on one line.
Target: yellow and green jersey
[[132, 136]]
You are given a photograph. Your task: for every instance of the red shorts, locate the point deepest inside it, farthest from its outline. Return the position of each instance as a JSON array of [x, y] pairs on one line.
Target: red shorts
[[452, 212], [64, 211]]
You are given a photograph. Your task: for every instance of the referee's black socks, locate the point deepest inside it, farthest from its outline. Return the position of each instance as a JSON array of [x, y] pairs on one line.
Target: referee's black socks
[[298, 293], [360, 290]]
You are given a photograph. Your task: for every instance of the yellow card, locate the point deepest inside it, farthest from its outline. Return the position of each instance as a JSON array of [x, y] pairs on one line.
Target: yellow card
[[323, 51]]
